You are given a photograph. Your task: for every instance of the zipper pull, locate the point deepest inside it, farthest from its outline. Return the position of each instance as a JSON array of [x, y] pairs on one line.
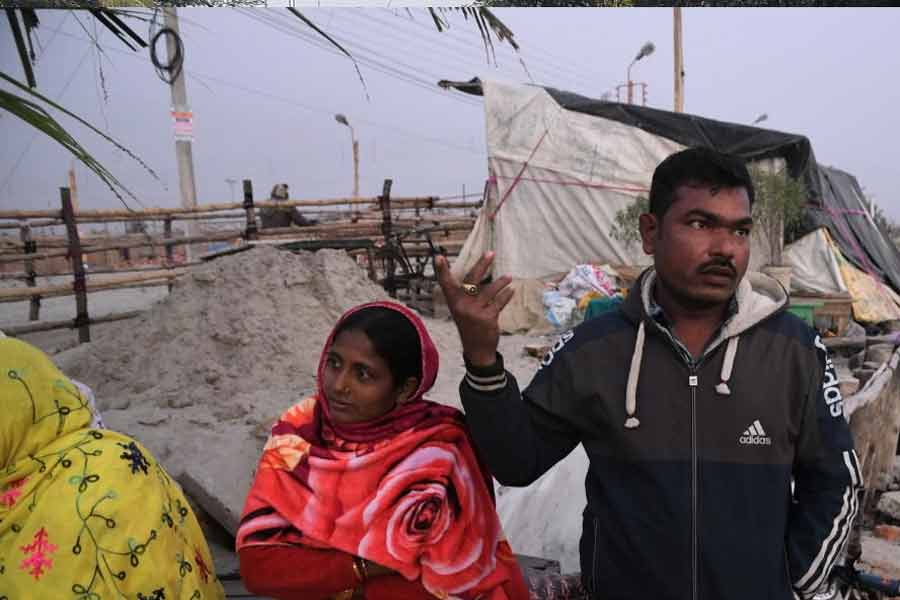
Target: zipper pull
[[692, 381]]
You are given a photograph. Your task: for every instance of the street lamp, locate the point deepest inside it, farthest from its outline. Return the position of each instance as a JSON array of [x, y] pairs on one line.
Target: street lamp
[[760, 119], [646, 50], [340, 118], [231, 181]]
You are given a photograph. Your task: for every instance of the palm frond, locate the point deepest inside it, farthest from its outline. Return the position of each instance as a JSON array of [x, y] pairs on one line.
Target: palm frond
[[65, 111], [41, 120]]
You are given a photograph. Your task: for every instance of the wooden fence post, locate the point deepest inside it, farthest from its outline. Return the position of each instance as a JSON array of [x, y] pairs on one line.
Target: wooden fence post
[[252, 231], [170, 249], [385, 201], [30, 248], [82, 321]]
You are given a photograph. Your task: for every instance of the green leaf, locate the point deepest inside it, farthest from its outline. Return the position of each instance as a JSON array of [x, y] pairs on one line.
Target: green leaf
[[65, 111], [41, 120]]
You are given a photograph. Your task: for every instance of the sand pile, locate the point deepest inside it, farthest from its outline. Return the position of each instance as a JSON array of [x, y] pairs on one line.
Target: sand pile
[[240, 323]]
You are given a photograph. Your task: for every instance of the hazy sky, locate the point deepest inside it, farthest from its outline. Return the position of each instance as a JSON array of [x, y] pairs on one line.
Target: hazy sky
[[264, 91]]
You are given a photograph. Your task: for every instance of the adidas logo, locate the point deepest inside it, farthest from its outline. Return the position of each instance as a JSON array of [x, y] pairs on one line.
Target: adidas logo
[[755, 435]]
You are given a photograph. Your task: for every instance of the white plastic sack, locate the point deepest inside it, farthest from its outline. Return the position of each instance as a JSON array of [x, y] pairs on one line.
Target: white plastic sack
[[586, 278], [559, 308]]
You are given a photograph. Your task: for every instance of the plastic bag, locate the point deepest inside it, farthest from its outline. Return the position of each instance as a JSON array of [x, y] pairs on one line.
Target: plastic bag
[[586, 278], [559, 308]]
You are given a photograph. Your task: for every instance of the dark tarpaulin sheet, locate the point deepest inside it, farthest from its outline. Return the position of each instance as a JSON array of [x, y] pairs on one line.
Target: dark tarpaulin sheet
[[842, 211], [835, 197]]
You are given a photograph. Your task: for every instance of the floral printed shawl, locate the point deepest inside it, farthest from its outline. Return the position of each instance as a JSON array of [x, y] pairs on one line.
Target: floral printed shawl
[[86, 514]]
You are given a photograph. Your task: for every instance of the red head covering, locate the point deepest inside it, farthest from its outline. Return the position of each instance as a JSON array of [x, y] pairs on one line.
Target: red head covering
[[400, 417]]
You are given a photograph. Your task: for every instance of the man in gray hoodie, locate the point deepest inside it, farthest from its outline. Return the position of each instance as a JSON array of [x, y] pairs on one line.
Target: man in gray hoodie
[[698, 402]]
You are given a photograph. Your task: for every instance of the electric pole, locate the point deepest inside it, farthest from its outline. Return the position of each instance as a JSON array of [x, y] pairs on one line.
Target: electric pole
[[184, 123], [679, 61]]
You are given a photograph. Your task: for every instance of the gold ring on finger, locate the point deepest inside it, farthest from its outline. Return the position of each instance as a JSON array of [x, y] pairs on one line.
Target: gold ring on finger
[[470, 289]]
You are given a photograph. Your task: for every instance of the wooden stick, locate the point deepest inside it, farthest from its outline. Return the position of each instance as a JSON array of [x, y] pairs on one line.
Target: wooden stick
[[33, 224], [385, 202], [18, 330], [30, 248], [19, 294], [91, 289], [85, 216], [21, 275], [82, 321], [9, 246], [153, 241], [251, 231]]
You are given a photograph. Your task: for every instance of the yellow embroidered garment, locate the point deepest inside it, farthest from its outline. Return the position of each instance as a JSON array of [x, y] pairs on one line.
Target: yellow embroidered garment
[[86, 514]]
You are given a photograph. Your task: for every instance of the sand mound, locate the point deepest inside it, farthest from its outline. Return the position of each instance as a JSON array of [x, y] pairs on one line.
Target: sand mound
[[254, 320]]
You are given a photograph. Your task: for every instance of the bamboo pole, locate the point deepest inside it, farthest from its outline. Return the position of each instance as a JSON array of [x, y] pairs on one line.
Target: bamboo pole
[[154, 241], [150, 213], [85, 216], [21, 275], [34, 309], [251, 230], [47, 291], [385, 204], [376, 220], [82, 320], [18, 330], [33, 224]]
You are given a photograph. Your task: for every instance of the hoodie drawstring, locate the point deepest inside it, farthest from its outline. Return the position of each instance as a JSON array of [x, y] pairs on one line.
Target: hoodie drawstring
[[728, 366], [634, 373]]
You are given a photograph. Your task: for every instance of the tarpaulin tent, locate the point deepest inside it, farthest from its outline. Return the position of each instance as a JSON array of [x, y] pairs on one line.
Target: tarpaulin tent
[[562, 165]]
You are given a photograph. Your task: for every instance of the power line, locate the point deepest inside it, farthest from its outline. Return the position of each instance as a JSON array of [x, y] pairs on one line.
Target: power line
[[362, 59], [551, 73], [35, 135], [437, 50], [44, 48], [540, 55], [302, 105]]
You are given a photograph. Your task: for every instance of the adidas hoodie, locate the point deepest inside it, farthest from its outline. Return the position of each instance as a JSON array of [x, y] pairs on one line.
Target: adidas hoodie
[[689, 488]]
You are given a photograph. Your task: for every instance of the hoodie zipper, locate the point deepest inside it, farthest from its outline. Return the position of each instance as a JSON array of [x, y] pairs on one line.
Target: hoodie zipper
[[695, 543], [693, 381]]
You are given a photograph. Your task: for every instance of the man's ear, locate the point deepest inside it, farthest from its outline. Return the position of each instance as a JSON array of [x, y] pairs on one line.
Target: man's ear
[[649, 226], [408, 388]]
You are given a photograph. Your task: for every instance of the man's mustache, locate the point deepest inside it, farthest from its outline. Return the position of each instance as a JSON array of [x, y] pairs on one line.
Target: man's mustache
[[718, 265]]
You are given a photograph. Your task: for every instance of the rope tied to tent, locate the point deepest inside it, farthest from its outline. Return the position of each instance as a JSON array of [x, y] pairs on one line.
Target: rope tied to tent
[[519, 176], [577, 183]]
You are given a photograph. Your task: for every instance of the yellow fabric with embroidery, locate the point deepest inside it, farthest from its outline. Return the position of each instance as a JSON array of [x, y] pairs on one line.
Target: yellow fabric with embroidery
[[86, 514]]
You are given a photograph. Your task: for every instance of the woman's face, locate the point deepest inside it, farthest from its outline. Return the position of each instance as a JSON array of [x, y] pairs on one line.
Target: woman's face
[[358, 383]]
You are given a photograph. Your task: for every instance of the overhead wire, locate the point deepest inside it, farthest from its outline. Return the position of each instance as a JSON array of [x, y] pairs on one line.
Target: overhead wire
[[302, 105], [379, 66], [508, 66]]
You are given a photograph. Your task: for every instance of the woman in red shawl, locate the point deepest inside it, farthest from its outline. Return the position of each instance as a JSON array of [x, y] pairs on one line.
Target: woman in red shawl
[[367, 490]]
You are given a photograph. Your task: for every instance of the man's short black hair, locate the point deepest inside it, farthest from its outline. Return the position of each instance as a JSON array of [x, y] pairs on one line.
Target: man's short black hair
[[696, 166]]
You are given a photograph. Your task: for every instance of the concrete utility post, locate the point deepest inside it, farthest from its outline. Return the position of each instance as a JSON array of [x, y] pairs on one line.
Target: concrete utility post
[[679, 61], [184, 126]]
